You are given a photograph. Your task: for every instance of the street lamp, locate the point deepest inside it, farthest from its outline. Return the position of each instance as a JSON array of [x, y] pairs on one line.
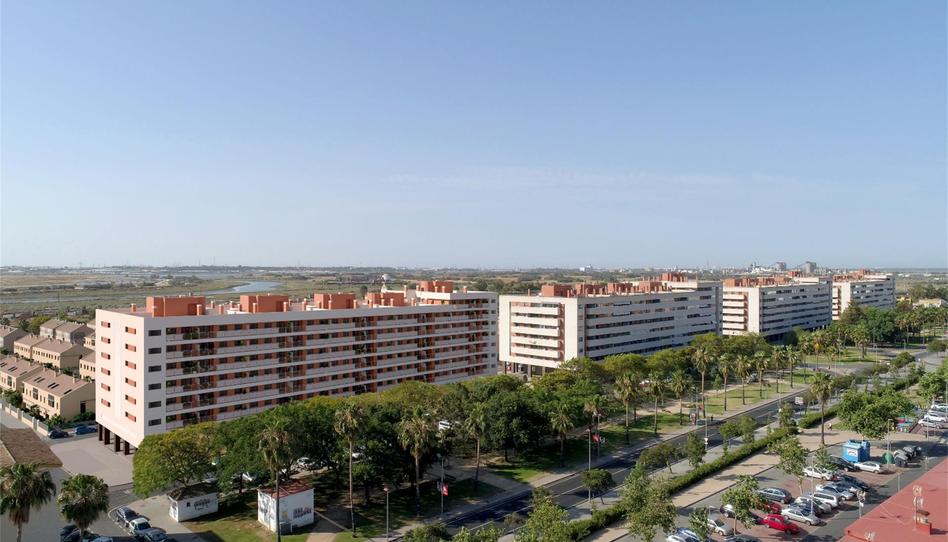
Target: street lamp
[[386, 490], [589, 465], [441, 457]]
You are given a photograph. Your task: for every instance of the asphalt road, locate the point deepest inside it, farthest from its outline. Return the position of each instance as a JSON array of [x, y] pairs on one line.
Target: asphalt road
[[570, 491]]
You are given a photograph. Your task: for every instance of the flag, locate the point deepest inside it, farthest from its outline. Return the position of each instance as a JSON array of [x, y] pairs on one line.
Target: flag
[[444, 489], [595, 437]]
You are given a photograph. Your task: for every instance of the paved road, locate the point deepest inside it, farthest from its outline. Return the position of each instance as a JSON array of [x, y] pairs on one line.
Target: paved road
[[570, 491]]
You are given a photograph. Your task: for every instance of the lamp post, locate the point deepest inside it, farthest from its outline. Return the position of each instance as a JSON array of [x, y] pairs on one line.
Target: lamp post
[[279, 532], [386, 490], [589, 463], [441, 457]]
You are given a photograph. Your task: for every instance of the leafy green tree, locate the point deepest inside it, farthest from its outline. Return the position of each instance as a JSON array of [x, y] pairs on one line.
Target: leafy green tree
[[176, 458], [34, 324], [648, 506], [822, 389], [729, 430], [743, 497], [792, 457], [694, 449], [484, 534], [725, 368], [475, 426], [658, 455], [937, 345], [435, 532], [275, 450], [560, 423], [785, 417], [416, 434], [761, 363], [823, 460], [23, 488], [702, 359], [596, 408], [873, 414], [747, 426], [698, 522], [932, 384], [656, 388], [349, 421], [598, 481], [623, 364], [792, 359], [547, 523], [861, 338], [679, 384], [742, 367], [82, 499], [15, 398], [55, 422], [626, 391]]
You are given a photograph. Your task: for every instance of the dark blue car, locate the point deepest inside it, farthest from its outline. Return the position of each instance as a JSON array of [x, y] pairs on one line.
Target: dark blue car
[[85, 430]]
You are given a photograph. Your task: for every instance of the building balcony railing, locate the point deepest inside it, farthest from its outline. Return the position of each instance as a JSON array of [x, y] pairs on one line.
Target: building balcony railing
[[238, 413]]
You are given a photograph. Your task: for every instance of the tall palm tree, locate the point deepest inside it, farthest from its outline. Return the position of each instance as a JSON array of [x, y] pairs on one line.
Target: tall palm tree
[[82, 499], [679, 384], [561, 423], [792, 357], [656, 388], [476, 427], [274, 446], [742, 367], [725, 367], [626, 391], [348, 424], [22, 488], [596, 408], [416, 434], [701, 360], [822, 388], [776, 363], [761, 361]]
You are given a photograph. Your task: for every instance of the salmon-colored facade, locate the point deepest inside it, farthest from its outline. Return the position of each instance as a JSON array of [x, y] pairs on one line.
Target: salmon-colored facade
[[188, 360]]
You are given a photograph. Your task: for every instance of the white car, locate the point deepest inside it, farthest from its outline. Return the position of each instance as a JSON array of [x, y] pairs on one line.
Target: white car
[[833, 489], [869, 466], [825, 498], [817, 472], [819, 508], [929, 423], [719, 526], [935, 416], [941, 407], [801, 515]]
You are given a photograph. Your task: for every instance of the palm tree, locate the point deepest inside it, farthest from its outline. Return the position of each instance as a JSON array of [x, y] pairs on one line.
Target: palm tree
[[416, 434], [348, 425], [656, 388], [679, 385], [595, 407], [702, 362], [626, 391], [83, 499], [821, 388], [792, 356], [760, 364], [742, 366], [476, 427], [561, 423], [22, 488], [776, 362], [274, 446], [725, 366]]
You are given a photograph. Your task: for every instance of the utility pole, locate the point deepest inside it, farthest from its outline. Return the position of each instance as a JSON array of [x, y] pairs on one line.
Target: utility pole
[[589, 466]]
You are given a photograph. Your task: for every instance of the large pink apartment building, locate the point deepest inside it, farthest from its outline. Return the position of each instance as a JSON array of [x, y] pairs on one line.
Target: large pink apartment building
[[183, 360]]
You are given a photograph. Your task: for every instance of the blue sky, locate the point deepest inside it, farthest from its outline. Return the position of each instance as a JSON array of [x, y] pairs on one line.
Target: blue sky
[[474, 134]]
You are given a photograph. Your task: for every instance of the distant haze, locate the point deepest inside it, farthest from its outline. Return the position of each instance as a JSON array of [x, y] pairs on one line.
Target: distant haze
[[487, 134]]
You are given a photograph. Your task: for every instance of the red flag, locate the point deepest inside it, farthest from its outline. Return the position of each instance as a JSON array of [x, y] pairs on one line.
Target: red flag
[[444, 489], [595, 437]]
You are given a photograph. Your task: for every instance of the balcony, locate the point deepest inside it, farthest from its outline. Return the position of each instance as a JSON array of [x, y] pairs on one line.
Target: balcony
[[174, 425], [396, 361], [329, 384], [249, 348], [330, 327], [246, 397], [238, 413]]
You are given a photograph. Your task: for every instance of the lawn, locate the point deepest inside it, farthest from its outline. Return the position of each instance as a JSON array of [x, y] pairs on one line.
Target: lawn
[[236, 521]]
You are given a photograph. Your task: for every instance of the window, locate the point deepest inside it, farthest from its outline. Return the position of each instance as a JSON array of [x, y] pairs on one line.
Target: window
[[131, 330], [129, 416], [130, 382], [105, 371], [156, 350], [154, 404], [154, 333], [105, 324], [131, 347], [104, 355], [104, 402], [156, 386], [105, 387], [131, 399], [130, 365], [154, 368], [106, 340], [154, 422]]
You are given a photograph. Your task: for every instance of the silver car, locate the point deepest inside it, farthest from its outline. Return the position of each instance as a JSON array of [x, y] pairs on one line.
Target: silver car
[[719, 526], [818, 507], [833, 489], [823, 497], [801, 515]]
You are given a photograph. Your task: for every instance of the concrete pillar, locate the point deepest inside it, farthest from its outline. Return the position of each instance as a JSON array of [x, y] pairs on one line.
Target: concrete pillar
[[126, 448], [101, 433], [108, 436], [118, 443]]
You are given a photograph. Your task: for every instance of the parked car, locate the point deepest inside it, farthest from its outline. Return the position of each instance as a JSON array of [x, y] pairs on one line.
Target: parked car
[[935, 416], [940, 407], [817, 472], [85, 430], [841, 463], [123, 515], [780, 523], [775, 494], [67, 529], [819, 507], [929, 423], [74, 537], [718, 526], [138, 526], [912, 450], [849, 486], [833, 489], [728, 511], [801, 513], [824, 497], [742, 538], [58, 433], [103, 539], [869, 466], [682, 535], [253, 477], [154, 535]]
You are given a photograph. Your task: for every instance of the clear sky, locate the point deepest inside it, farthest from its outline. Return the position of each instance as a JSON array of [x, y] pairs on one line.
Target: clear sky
[[487, 134]]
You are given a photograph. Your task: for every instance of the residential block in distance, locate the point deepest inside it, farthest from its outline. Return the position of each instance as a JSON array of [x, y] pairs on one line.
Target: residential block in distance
[[183, 360], [865, 288], [772, 306], [538, 332]]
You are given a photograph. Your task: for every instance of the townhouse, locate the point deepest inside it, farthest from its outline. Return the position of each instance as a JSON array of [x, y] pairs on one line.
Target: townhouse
[[58, 394], [61, 330], [13, 370], [9, 335]]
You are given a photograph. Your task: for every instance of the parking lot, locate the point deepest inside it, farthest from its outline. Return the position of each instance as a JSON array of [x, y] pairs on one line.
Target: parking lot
[[833, 524]]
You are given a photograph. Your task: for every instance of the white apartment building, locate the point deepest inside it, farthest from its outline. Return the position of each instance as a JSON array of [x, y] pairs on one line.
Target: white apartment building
[[772, 306], [539, 332], [864, 288], [183, 360]]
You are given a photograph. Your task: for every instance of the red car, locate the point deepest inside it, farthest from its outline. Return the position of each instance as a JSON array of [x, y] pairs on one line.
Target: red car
[[769, 507], [780, 523]]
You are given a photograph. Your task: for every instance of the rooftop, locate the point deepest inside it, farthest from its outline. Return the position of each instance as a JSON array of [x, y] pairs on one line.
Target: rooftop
[[56, 383], [6, 330], [290, 487], [860, 275], [57, 346], [792, 277], [70, 327], [25, 446], [662, 283], [52, 323], [30, 340], [14, 366]]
